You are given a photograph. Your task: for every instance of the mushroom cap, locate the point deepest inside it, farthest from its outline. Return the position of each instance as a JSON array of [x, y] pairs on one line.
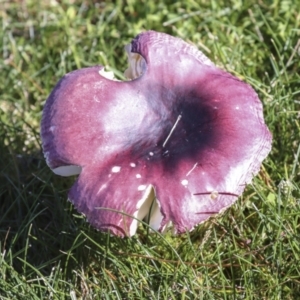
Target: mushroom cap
[[183, 139]]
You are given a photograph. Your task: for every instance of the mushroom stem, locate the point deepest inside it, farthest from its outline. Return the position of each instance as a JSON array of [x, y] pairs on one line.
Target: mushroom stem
[[147, 209]]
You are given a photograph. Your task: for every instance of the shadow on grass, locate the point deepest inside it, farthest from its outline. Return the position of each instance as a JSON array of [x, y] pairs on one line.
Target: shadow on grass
[[36, 223], [40, 229]]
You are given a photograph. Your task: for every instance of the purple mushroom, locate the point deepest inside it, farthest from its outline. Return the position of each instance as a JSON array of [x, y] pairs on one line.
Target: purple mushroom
[[177, 143]]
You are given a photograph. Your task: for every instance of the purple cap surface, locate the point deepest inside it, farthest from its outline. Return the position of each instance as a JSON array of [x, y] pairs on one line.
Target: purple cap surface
[[185, 136]]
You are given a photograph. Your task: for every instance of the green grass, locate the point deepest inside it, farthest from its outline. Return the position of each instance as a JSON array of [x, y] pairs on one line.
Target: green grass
[[48, 251]]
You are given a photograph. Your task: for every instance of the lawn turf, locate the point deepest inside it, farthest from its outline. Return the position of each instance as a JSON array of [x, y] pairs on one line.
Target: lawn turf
[[47, 249]]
